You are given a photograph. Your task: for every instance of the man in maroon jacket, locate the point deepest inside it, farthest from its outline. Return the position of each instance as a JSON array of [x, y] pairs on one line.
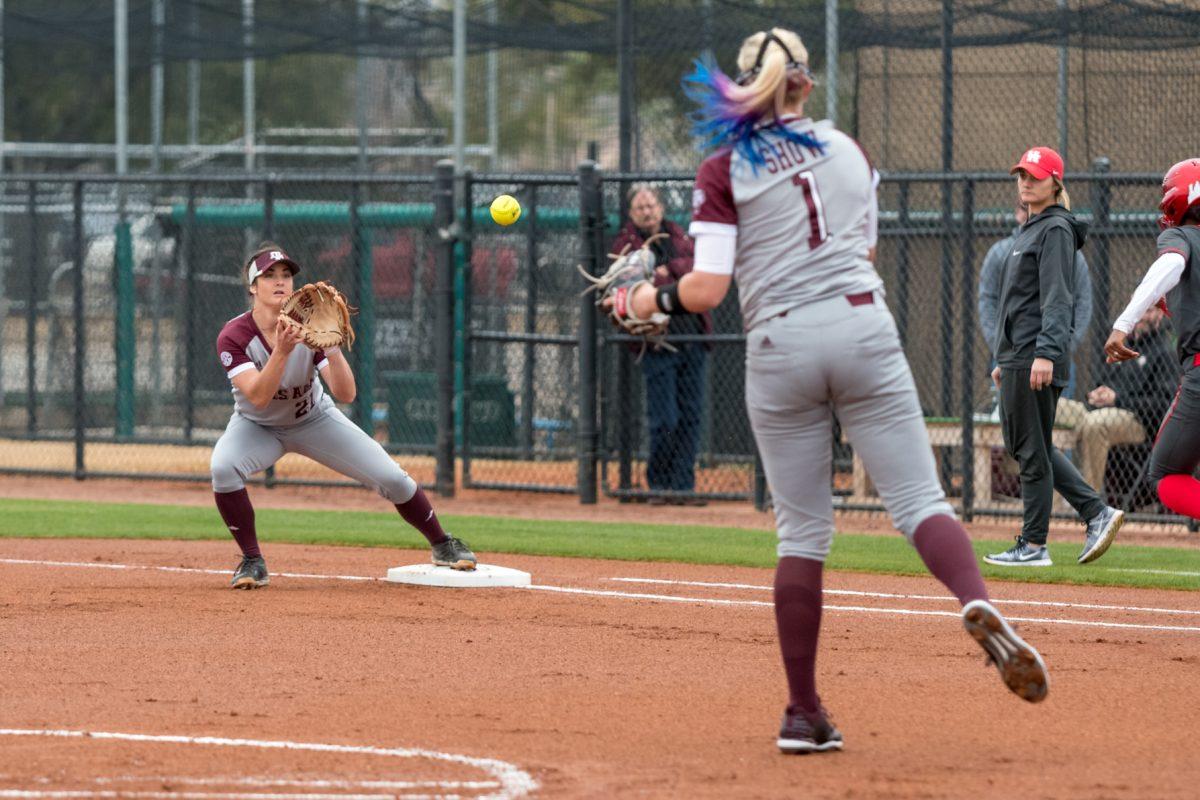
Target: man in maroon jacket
[[674, 381]]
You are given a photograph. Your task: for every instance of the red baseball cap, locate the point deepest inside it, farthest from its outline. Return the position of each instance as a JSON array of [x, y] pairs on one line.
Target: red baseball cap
[[1040, 162], [265, 260]]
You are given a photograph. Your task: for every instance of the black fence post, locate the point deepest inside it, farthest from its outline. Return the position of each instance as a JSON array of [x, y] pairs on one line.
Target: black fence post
[[967, 299], [443, 324], [189, 314], [591, 229], [364, 294], [902, 276], [947, 292], [625, 85], [268, 233], [463, 320], [80, 339], [268, 210], [760, 483], [1100, 264], [31, 316], [531, 314]]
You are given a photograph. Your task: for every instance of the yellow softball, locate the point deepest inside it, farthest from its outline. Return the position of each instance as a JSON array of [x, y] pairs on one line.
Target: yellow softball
[[506, 210]]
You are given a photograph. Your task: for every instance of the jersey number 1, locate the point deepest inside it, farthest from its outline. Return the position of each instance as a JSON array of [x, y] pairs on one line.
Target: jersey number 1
[[818, 232]]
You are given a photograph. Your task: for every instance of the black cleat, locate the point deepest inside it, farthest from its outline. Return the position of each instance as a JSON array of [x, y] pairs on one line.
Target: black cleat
[[805, 732], [250, 574], [453, 553]]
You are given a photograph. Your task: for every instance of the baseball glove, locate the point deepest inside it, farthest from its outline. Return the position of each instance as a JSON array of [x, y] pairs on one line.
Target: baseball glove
[[629, 270], [321, 314]]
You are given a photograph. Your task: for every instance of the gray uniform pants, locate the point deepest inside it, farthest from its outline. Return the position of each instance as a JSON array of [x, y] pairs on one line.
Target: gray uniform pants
[[831, 357], [329, 438]]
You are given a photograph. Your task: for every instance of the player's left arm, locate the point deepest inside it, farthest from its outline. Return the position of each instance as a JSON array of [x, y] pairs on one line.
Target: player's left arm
[[338, 377], [705, 286]]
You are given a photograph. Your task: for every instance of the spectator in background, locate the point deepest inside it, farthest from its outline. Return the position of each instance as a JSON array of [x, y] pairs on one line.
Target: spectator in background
[[674, 380], [1033, 354], [1130, 401], [991, 277]]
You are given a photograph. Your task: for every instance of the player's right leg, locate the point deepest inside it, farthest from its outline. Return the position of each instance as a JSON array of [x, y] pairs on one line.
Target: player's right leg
[[244, 449], [786, 398], [876, 401], [333, 440]]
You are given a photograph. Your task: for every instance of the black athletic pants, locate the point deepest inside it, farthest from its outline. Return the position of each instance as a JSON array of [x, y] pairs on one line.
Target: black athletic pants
[[1177, 446], [1027, 422]]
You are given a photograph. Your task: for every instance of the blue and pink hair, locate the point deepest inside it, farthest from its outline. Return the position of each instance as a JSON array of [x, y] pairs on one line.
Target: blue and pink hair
[[732, 116]]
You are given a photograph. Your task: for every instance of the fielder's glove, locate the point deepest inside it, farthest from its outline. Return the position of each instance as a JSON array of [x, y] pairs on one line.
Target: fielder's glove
[[614, 290], [321, 314]]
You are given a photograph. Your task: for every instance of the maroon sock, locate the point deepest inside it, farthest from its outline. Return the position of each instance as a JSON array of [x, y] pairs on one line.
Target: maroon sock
[[946, 550], [418, 513], [798, 618], [238, 514]]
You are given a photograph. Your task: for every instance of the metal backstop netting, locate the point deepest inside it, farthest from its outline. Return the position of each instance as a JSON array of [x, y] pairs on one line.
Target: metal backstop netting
[[387, 85]]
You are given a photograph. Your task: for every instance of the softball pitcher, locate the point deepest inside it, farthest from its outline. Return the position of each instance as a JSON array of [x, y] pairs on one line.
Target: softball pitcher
[[280, 407], [788, 206]]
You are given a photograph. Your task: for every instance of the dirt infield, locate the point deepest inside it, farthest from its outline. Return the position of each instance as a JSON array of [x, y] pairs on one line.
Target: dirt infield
[[333, 685]]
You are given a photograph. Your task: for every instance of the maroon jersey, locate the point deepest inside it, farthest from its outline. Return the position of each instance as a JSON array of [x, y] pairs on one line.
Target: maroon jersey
[[241, 346]]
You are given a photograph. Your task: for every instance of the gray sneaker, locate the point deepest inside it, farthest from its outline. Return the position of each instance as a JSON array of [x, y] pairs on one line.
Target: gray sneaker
[[1101, 530], [1022, 554], [250, 574], [1020, 666], [453, 553]]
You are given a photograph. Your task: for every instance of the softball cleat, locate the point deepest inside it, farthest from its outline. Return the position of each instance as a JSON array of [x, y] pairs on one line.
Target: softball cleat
[[1020, 666], [453, 553], [250, 574]]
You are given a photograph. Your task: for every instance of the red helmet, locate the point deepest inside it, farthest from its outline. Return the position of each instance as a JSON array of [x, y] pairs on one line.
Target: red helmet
[[1181, 190]]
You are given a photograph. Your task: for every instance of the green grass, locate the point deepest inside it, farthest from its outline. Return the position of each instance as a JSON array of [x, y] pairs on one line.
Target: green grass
[[888, 554]]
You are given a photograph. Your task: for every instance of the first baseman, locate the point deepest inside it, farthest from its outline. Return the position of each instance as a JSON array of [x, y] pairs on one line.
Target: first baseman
[[280, 407], [788, 206]]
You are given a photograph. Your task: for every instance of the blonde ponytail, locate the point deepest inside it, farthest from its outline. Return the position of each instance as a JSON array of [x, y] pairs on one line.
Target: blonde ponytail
[[769, 89], [1060, 195]]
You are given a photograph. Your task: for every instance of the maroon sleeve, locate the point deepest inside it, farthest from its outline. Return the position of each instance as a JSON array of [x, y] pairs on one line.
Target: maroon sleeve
[[712, 197], [318, 357], [231, 349]]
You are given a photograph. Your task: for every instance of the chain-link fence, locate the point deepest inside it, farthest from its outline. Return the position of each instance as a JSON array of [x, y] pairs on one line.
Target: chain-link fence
[[942, 248], [474, 349], [110, 324]]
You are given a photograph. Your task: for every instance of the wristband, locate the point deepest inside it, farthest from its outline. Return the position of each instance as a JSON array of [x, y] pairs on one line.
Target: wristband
[[667, 300]]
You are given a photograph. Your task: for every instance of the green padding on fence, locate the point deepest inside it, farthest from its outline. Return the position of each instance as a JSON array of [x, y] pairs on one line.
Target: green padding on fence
[[125, 344], [412, 410], [373, 215]]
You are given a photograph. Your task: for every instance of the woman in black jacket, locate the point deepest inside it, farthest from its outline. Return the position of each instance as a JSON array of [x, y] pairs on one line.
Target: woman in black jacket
[[1033, 356]]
